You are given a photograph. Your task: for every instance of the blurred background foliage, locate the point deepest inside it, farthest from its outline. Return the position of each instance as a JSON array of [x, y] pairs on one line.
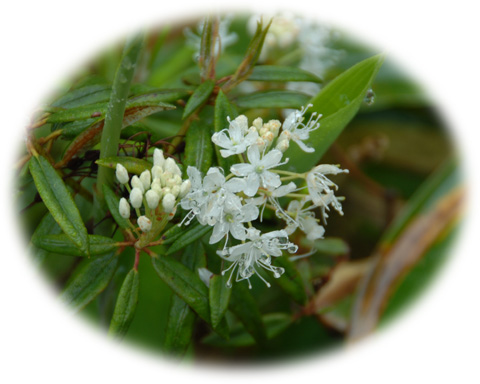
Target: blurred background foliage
[[403, 196]]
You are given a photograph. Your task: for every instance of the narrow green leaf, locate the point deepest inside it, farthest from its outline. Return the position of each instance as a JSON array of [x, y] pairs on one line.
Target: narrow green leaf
[[199, 97], [223, 110], [219, 296], [275, 323], [89, 94], [206, 59], [88, 280], [132, 164], [174, 232], [244, 307], [198, 147], [48, 226], [125, 306], [332, 246], [112, 203], [59, 202], [189, 237], [282, 73], [62, 244], [273, 99], [177, 62], [291, 281], [338, 103]]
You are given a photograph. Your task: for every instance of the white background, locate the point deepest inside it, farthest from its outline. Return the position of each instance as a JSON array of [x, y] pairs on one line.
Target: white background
[[436, 341]]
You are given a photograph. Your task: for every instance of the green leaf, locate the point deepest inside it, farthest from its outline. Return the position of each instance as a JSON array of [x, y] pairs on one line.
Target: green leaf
[[332, 246], [244, 307], [63, 245], [199, 97], [59, 202], [198, 147], [338, 103], [113, 203], [188, 237], [207, 57], [273, 99], [174, 232], [89, 94], [132, 164], [282, 73], [291, 281], [219, 296], [48, 226], [126, 305], [89, 280], [223, 110], [275, 324]]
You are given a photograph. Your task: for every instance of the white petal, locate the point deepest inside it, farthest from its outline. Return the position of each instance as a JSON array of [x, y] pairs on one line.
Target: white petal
[[242, 169], [304, 147], [253, 183], [271, 180], [272, 158], [238, 231], [219, 231], [253, 155]]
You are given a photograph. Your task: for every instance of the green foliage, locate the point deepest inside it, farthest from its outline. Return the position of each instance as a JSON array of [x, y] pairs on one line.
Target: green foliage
[[219, 298], [198, 147], [198, 98], [281, 73], [187, 237], [62, 244]]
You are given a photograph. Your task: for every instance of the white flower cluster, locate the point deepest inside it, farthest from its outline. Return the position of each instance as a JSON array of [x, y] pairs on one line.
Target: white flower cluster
[[158, 190], [231, 203]]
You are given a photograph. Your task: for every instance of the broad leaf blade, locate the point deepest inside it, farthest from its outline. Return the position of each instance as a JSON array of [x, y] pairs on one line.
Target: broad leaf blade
[[281, 74], [63, 245], [199, 97], [126, 305], [219, 295], [89, 280], [59, 202]]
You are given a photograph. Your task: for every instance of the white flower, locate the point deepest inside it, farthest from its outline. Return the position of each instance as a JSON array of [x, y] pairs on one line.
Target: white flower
[[320, 187], [257, 172], [304, 219], [255, 253], [232, 220], [239, 137], [152, 198], [122, 174], [168, 203], [296, 130], [124, 208], [144, 223], [136, 197]]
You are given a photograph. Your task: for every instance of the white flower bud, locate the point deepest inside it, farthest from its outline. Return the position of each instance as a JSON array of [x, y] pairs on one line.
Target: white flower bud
[[157, 186], [185, 188], [146, 179], [144, 223], [268, 137], [166, 190], [283, 145], [274, 126], [285, 135], [136, 197], [177, 180], [152, 198], [124, 208], [136, 183], [122, 174], [257, 123], [171, 215], [175, 190], [172, 167], [157, 172], [158, 158], [168, 203], [164, 177]]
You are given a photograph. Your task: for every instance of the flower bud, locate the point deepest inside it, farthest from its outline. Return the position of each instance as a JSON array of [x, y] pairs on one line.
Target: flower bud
[[136, 197], [157, 186], [122, 174], [136, 183], [268, 137], [185, 188], [257, 123], [283, 145], [274, 126], [158, 158], [157, 172], [146, 179], [172, 167], [152, 198], [124, 208], [175, 190], [144, 223], [168, 203]]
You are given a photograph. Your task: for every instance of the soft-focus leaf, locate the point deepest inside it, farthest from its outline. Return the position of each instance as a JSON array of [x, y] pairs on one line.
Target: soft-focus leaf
[[88, 280], [125, 306], [338, 103], [198, 147], [62, 244], [273, 99], [199, 97], [281, 73], [132, 164], [332, 246], [245, 308], [223, 110], [219, 295], [275, 324], [290, 281], [188, 237], [59, 202], [113, 202]]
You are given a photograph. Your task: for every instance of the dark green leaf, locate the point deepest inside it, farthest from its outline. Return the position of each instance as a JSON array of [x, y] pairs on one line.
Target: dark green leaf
[[338, 103], [188, 237], [281, 73], [223, 110], [125, 306], [63, 245], [89, 94], [199, 97], [207, 57], [245, 308], [132, 164], [113, 203], [198, 147], [290, 281], [88, 280], [219, 296], [48, 226], [174, 233], [273, 99], [59, 202]]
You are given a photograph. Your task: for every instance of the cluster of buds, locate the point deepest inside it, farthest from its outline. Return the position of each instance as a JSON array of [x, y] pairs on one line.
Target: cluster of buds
[[158, 190]]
